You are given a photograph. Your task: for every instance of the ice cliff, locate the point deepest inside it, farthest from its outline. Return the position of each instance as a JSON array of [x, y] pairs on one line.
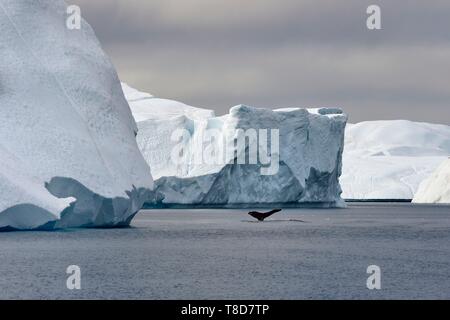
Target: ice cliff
[[249, 157], [436, 188], [68, 154]]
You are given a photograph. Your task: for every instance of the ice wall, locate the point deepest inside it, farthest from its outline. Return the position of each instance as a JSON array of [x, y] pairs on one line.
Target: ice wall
[[303, 169]]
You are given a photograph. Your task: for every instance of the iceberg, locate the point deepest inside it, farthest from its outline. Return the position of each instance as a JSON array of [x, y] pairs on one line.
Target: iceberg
[[382, 160], [249, 157], [436, 188], [68, 153], [387, 160]]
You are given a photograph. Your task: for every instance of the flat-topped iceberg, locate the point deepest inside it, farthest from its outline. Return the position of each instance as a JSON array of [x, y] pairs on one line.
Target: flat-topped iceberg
[[68, 154], [249, 157], [387, 160], [436, 188]]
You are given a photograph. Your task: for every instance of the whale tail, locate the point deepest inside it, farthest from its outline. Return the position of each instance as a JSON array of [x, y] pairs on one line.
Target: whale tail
[[261, 216]]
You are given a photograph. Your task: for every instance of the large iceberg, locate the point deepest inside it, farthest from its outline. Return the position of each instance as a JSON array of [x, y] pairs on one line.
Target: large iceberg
[[249, 157], [382, 160], [436, 188], [387, 160], [68, 154]]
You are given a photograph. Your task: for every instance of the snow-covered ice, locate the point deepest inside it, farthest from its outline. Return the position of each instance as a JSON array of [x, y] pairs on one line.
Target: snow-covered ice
[[147, 107], [68, 154], [303, 168], [436, 188], [389, 159]]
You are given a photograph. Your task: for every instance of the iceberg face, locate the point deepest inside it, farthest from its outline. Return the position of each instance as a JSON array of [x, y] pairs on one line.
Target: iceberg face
[[68, 154], [249, 157], [436, 188], [389, 159]]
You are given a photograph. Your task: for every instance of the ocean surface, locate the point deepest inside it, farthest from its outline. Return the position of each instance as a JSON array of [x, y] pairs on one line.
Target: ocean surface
[[225, 254]]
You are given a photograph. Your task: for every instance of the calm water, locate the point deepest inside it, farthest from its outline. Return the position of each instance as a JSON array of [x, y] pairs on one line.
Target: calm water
[[198, 254]]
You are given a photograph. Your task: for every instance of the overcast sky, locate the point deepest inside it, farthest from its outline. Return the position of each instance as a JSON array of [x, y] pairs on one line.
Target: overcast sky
[[283, 53]]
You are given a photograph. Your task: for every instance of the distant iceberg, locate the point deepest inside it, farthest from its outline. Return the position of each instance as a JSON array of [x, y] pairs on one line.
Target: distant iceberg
[[303, 169], [387, 160], [68, 154], [436, 188]]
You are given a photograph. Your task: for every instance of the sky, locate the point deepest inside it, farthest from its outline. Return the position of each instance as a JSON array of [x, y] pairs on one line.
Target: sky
[[283, 53]]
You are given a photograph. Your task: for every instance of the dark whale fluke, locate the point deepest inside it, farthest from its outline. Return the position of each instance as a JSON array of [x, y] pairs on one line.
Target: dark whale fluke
[[263, 215]]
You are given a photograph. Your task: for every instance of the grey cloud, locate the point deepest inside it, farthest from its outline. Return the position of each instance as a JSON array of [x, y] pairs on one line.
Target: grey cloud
[[269, 53], [259, 22]]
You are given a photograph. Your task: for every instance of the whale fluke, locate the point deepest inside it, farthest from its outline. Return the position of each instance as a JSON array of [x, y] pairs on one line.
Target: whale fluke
[[261, 216]]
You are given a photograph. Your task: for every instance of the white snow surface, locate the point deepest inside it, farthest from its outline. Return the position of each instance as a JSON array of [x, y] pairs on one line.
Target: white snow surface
[[147, 107], [311, 143], [389, 159], [68, 154], [436, 188]]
